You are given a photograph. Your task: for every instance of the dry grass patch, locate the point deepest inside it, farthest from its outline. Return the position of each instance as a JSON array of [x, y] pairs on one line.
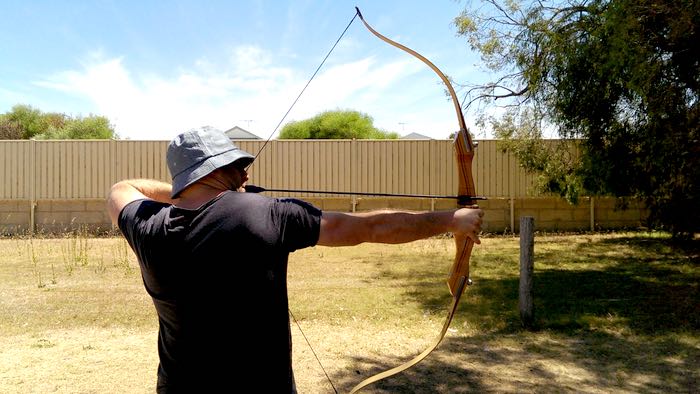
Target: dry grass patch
[[614, 313]]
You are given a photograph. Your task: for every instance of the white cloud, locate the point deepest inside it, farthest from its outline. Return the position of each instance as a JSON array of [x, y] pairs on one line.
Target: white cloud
[[153, 107], [251, 86]]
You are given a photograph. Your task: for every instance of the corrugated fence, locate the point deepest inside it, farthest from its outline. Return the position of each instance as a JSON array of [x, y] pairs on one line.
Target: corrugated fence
[[59, 186], [85, 169]]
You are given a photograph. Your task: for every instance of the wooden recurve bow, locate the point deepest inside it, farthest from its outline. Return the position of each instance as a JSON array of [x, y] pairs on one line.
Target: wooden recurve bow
[[459, 273]]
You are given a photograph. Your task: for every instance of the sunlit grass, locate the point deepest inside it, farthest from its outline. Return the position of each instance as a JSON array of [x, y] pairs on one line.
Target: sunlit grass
[[613, 312]]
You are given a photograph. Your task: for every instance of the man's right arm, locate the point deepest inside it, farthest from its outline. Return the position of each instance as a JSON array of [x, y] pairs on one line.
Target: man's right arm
[[345, 229], [124, 192]]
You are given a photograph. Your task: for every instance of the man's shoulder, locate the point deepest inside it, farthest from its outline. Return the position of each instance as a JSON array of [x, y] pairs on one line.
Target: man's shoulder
[[143, 209], [147, 204], [231, 199], [277, 203]]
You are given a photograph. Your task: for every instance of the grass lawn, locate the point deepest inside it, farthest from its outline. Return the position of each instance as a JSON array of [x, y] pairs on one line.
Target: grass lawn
[[614, 313]]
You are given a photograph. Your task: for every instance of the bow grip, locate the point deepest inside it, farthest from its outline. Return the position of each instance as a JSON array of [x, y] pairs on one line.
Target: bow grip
[[460, 266]]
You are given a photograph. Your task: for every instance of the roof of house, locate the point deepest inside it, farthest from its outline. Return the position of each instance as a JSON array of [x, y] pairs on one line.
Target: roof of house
[[238, 133], [415, 136]]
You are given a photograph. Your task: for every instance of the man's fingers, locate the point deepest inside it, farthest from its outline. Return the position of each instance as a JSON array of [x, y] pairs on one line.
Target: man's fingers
[[474, 236]]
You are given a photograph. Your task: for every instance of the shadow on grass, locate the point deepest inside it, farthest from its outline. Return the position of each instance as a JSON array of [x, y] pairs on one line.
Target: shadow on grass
[[617, 312], [600, 363]]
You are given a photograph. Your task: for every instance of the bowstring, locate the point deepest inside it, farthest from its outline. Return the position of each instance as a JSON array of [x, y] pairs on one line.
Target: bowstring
[[263, 147], [303, 89], [313, 351]]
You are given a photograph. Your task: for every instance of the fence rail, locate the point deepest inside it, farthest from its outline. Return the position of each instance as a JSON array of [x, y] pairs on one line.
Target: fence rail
[[85, 169]]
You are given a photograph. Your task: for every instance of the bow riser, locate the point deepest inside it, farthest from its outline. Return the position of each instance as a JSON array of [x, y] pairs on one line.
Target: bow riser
[[464, 155]]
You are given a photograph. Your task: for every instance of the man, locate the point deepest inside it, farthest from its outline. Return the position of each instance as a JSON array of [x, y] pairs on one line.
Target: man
[[214, 261]]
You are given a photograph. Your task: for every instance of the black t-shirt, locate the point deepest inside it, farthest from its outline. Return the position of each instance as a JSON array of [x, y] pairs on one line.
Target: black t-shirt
[[218, 279]]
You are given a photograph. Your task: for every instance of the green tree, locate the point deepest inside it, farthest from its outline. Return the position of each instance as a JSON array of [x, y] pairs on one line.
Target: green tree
[[28, 119], [90, 127], [9, 129], [335, 125], [26, 122], [619, 78]]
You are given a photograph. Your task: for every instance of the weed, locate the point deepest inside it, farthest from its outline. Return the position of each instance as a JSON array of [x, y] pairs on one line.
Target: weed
[[121, 257], [78, 247], [35, 263], [68, 262], [43, 343], [100, 268], [53, 274]]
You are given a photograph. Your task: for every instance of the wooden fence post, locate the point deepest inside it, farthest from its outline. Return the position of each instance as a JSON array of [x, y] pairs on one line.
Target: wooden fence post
[[511, 201], [592, 208], [527, 247]]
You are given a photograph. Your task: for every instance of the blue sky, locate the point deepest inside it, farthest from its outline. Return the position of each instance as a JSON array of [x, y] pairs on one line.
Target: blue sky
[[156, 68]]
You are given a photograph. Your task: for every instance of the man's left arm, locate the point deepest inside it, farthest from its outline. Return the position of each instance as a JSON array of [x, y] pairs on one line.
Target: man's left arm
[[393, 227], [124, 192]]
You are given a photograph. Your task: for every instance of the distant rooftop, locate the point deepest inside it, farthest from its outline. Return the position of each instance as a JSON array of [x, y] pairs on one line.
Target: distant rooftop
[[238, 133], [415, 136]]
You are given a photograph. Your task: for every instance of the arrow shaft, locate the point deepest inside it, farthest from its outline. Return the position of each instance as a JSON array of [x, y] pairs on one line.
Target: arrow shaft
[[258, 189]]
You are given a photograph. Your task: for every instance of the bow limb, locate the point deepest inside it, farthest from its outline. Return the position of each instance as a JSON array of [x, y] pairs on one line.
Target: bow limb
[[459, 273], [448, 85]]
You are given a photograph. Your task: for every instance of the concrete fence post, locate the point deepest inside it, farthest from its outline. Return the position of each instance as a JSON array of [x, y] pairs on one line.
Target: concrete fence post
[[34, 178]]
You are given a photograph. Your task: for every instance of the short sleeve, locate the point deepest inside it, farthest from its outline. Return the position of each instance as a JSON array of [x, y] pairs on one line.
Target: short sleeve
[[127, 216], [140, 218], [299, 223]]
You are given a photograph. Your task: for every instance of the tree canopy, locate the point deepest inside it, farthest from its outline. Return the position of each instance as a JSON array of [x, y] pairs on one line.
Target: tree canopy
[[26, 122], [619, 78], [335, 125]]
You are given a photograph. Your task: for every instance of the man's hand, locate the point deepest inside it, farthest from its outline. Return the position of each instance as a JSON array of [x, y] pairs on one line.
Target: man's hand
[[467, 221]]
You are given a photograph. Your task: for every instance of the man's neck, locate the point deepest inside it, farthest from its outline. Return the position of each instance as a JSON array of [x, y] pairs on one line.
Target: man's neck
[[198, 195]]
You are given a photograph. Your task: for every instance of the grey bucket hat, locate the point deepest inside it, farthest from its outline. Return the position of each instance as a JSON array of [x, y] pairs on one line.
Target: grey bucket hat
[[196, 153]]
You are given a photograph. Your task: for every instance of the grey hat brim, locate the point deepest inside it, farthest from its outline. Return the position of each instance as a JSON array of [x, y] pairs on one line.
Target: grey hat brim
[[201, 169]]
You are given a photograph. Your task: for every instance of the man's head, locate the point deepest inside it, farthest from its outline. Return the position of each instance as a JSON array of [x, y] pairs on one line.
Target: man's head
[[195, 154]]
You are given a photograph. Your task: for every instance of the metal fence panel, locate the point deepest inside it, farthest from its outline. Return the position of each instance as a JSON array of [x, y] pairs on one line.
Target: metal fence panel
[[85, 169]]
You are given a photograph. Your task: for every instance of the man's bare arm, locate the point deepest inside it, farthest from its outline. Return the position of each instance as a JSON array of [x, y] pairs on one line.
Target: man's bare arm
[[124, 192], [345, 229]]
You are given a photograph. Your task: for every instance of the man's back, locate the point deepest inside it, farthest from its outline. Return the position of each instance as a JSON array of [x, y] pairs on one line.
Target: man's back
[[217, 275]]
